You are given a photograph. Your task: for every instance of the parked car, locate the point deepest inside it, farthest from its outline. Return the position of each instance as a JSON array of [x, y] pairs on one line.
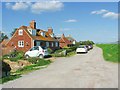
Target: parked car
[[82, 49], [91, 46], [37, 51], [88, 47]]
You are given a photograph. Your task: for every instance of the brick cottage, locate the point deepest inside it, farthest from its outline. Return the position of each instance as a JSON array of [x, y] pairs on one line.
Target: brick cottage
[[26, 37]]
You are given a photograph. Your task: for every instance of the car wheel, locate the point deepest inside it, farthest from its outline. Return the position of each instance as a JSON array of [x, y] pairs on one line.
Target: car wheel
[[27, 56], [41, 56], [77, 52]]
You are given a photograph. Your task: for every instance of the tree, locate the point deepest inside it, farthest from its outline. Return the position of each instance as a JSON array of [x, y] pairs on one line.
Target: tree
[[88, 42], [13, 32], [3, 36]]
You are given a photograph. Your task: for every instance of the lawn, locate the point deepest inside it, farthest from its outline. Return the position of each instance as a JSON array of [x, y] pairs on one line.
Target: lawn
[[110, 52]]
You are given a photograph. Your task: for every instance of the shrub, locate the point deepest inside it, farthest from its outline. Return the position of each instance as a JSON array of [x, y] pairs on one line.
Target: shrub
[[20, 55], [50, 50], [58, 55], [5, 66], [33, 60], [5, 69], [73, 48], [5, 56], [15, 59], [14, 56], [42, 62], [69, 50], [58, 51]]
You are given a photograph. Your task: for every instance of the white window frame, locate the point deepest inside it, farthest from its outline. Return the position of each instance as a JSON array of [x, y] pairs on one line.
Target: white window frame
[[52, 44], [42, 34], [20, 32], [56, 44], [21, 43], [47, 44], [38, 43]]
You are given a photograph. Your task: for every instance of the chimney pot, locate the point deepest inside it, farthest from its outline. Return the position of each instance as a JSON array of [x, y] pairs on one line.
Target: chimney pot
[[33, 24], [50, 30]]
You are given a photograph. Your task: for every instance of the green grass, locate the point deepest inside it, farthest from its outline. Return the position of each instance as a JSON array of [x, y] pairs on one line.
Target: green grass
[[110, 52], [38, 65], [14, 75], [9, 78], [71, 54], [26, 69]]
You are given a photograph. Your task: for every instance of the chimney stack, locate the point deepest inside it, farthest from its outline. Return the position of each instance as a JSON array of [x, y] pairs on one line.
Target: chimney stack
[[63, 35], [33, 24], [50, 30]]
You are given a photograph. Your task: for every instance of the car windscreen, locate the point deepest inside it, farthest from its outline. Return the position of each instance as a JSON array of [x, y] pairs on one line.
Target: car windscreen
[[34, 48], [44, 47]]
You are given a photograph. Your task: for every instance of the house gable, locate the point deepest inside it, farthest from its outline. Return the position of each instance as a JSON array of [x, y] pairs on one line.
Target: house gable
[[16, 38]]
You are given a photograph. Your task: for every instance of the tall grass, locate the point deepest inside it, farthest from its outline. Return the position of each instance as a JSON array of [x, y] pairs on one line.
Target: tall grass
[[110, 52]]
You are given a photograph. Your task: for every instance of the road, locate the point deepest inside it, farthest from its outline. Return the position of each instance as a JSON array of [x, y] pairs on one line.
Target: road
[[80, 71]]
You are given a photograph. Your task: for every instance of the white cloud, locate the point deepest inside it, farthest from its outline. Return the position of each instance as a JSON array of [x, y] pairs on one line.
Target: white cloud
[[65, 29], [106, 14], [8, 5], [111, 15], [99, 12], [46, 6], [18, 6], [37, 7], [71, 20]]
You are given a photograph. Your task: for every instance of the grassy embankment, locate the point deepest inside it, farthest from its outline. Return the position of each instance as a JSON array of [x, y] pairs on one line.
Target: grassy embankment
[[36, 64], [110, 52]]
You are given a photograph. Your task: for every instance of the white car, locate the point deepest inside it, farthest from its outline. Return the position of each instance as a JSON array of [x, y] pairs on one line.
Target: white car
[[82, 49], [37, 51]]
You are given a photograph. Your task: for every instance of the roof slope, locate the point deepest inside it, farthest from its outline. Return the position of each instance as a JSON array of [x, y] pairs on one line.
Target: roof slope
[[64, 40], [39, 36]]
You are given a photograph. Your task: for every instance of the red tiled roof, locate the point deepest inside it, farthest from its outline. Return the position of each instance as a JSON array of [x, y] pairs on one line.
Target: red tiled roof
[[38, 36], [63, 39]]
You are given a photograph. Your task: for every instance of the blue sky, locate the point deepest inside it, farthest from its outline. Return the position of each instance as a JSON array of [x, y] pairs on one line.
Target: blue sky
[[95, 21]]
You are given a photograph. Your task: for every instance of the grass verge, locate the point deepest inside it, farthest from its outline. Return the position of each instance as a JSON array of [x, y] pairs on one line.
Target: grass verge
[[40, 64], [110, 52], [9, 78]]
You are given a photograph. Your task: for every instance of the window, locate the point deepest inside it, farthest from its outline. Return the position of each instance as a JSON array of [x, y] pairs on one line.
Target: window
[[47, 44], [43, 34], [20, 32], [52, 44], [20, 43], [30, 31], [34, 48], [56, 44], [37, 43]]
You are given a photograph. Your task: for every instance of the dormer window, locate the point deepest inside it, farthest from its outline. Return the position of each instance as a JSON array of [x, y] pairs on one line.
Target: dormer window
[[43, 34], [20, 32], [32, 32], [52, 35]]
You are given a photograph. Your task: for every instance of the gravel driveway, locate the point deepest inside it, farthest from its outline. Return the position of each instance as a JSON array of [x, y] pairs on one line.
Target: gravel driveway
[[80, 71]]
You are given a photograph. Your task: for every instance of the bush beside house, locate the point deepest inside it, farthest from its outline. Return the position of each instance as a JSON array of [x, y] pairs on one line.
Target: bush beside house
[[4, 69]]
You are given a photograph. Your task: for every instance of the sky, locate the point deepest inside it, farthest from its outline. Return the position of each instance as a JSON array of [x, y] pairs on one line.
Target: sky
[[96, 21]]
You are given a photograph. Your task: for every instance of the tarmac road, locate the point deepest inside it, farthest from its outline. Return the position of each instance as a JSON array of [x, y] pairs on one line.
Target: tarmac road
[[80, 71]]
